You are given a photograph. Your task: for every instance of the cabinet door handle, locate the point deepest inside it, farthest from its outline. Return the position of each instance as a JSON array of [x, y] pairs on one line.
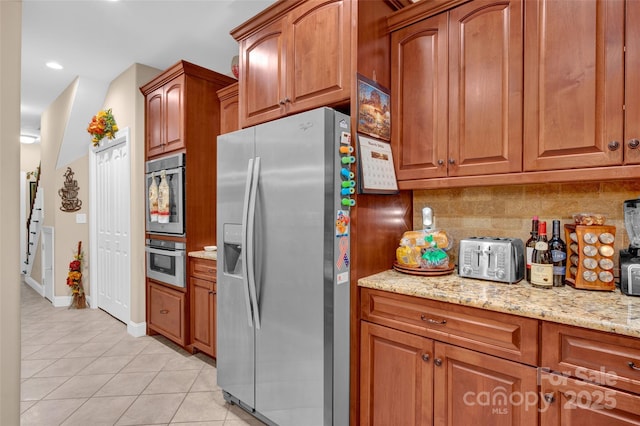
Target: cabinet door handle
[[164, 311], [441, 162], [425, 357], [281, 102], [452, 161], [432, 321], [633, 366], [633, 143], [437, 362], [212, 292], [613, 145], [549, 397]]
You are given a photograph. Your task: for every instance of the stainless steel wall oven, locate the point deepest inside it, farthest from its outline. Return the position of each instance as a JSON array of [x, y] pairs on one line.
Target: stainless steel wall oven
[[171, 169]]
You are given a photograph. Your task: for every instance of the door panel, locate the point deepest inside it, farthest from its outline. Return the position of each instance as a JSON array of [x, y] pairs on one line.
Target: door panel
[[574, 84], [485, 88], [112, 204], [419, 111]]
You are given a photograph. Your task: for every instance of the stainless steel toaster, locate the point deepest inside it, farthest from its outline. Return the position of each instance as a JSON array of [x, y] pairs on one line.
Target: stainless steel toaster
[[492, 258]]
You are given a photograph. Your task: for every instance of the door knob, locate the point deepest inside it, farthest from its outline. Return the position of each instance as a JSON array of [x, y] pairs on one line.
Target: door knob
[[613, 145], [633, 143], [425, 357], [437, 362]]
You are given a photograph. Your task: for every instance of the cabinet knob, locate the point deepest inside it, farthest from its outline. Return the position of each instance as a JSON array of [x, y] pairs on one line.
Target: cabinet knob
[[164, 311], [549, 397], [441, 162], [212, 292], [425, 357], [632, 365], [452, 161], [437, 362], [281, 102], [633, 143], [613, 145]]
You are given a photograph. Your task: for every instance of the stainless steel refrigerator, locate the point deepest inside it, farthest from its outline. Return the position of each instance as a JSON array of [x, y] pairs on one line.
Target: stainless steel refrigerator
[[283, 268]]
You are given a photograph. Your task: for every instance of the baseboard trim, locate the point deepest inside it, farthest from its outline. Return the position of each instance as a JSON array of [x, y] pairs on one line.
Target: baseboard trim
[[61, 301], [137, 329], [39, 288]]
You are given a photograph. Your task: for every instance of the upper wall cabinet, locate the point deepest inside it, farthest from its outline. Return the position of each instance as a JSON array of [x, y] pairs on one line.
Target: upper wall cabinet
[[165, 124], [182, 109], [575, 85], [294, 56], [457, 91], [632, 84]]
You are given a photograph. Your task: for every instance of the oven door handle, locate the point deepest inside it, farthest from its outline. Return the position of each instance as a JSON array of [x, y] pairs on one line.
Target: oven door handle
[[172, 253]]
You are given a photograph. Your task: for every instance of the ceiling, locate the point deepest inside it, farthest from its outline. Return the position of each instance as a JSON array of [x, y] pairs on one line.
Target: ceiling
[[100, 39]]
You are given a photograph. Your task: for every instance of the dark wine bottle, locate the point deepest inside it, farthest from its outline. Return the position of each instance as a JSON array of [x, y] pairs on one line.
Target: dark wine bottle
[[530, 244], [558, 250], [541, 261]]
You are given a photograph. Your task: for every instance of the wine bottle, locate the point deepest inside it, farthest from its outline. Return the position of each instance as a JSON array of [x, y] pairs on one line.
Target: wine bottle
[[530, 244], [541, 261], [558, 250]]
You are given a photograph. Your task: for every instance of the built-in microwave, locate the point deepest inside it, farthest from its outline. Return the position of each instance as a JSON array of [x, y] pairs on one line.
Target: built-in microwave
[[167, 262], [171, 169]]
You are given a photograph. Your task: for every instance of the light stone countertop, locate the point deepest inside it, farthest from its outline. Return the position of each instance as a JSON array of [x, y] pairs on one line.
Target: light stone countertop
[[202, 254], [599, 310]]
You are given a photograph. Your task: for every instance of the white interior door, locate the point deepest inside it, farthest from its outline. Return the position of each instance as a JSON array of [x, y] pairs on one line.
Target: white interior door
[[112, 225]]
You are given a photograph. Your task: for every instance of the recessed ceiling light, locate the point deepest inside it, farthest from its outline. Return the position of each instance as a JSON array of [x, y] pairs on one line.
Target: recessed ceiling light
[[54, 65], [27, 139]]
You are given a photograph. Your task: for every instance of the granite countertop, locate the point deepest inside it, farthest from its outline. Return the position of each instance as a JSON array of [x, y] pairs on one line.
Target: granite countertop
[[598, 310], [203, 254]]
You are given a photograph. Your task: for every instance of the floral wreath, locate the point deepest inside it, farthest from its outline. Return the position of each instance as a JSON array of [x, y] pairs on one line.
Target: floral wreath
[[102, 125]]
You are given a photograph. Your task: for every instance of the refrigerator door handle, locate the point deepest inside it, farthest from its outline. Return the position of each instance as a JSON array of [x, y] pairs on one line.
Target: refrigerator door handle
[[250, 240], [244, 256]]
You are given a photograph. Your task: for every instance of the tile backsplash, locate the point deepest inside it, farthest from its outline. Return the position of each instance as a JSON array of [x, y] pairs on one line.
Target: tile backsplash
[[506, 211]]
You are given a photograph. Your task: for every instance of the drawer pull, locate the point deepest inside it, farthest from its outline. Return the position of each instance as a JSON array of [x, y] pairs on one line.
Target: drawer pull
[[164, 311], [549, 397], [437, 362], [633, 366], [432, 321], [425, 357]]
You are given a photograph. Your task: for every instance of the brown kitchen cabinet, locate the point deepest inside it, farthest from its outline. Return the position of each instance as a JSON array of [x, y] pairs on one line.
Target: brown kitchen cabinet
[[294, 56], [410, 379], [181, 108], [229, 108], [202, 282], [574, 84], [165, 124], [590, 375], [567, 401], [167, 312], [456, 90]]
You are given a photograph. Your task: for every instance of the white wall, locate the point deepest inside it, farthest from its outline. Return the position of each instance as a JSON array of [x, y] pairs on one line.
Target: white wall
[[10, 46]]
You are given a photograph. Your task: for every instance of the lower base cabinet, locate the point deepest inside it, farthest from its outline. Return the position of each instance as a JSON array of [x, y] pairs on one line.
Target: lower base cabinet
[[202, 289], [166, 310], [408, 379], [567, 401]]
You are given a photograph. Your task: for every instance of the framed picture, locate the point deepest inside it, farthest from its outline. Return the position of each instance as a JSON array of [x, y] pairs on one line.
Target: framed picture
[[374, 109], [32, 192]]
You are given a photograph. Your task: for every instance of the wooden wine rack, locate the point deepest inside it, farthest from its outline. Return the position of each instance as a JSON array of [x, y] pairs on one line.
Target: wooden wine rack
[[590, 256]]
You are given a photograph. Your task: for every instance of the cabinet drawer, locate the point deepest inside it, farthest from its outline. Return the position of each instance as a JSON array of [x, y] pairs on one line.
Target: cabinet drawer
[[507, 336], [166, 312], [596, 356], [202, 268]]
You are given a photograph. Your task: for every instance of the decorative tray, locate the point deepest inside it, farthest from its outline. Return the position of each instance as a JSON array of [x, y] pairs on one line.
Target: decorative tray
[[421, 271]]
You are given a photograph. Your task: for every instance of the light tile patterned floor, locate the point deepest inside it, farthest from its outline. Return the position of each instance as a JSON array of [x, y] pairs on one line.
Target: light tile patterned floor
[[80, 367]]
